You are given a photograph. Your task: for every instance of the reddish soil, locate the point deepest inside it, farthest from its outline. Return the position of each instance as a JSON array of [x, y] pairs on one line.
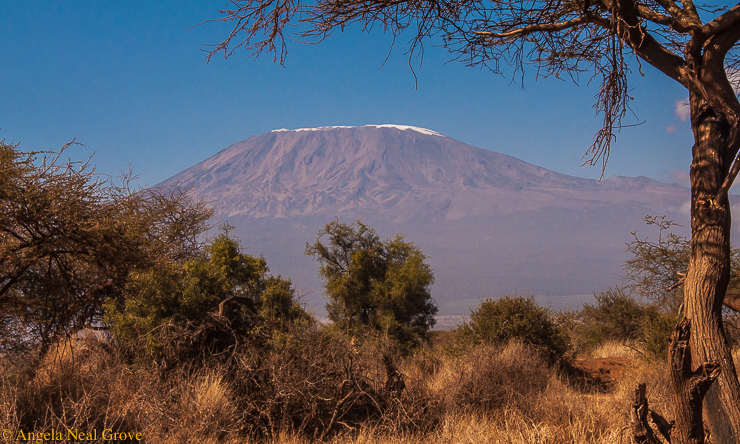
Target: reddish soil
[[602, 371]]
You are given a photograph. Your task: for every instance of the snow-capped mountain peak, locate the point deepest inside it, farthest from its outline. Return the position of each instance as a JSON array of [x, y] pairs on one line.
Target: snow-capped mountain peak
[[424, 131]]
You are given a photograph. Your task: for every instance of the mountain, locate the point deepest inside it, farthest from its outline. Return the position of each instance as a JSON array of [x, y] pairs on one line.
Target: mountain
[[489, 222]]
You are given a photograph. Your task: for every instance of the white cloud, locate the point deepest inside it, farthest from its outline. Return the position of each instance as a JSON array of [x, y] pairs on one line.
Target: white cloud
[[683, 111], [670, 129], [677, 176], [685, 209]]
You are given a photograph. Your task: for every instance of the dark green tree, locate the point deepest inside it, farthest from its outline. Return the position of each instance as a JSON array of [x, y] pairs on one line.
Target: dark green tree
[[384, 285]]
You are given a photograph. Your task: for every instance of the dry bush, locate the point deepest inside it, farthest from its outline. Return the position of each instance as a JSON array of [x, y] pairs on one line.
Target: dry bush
[[80, 384], [205, 407], [491, 377], [312, 385], [302, 380], [8, 412], [510, 395], [547, 411], [182, 408]]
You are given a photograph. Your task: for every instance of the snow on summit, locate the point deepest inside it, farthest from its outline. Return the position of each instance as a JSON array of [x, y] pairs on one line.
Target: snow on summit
[[407, 127], [387, 125]]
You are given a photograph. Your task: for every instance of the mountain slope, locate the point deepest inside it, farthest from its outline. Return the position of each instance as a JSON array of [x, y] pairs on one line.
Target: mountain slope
[[383, 168], [489, 222]]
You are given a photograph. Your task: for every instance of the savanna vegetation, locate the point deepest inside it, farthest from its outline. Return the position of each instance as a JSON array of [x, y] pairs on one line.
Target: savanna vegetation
[[120, 313], [205, 345], [695, 44]]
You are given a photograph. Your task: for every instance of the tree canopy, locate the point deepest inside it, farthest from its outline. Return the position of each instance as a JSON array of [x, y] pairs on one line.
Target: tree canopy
[[69, 240], [384, 285]]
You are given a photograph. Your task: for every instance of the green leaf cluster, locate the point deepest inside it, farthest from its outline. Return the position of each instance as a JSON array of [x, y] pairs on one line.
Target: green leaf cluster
[[383, 285]]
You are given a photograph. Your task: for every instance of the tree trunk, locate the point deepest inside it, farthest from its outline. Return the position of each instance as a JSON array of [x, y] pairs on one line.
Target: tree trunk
[[689, 386], [709, 268]]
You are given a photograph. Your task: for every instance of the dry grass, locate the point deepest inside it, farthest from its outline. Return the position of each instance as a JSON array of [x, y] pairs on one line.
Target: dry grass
[[613, 349], [486, 377], [487, 395]]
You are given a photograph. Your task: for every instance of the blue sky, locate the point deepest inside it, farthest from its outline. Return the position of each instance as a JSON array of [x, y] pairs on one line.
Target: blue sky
[[130, 81]]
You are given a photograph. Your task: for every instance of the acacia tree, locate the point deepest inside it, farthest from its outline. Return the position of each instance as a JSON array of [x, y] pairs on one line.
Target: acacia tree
[[222, 282], [695, 45], [657, 268], [69, 240]]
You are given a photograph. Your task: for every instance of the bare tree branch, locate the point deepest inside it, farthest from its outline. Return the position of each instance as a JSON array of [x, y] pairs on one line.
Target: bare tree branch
[[671, 7], [724, 21], [546, 27]]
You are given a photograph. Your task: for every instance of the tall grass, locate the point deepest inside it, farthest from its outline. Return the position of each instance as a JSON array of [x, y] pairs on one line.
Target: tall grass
[[487, 394]]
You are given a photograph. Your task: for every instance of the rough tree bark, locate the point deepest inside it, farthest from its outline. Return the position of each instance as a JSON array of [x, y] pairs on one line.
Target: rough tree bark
[[709, 266], [689, 387]]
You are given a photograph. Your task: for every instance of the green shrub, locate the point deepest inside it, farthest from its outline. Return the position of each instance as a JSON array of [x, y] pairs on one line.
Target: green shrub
[[520, 318], [654, 337], [618, 316], [223, 285]]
